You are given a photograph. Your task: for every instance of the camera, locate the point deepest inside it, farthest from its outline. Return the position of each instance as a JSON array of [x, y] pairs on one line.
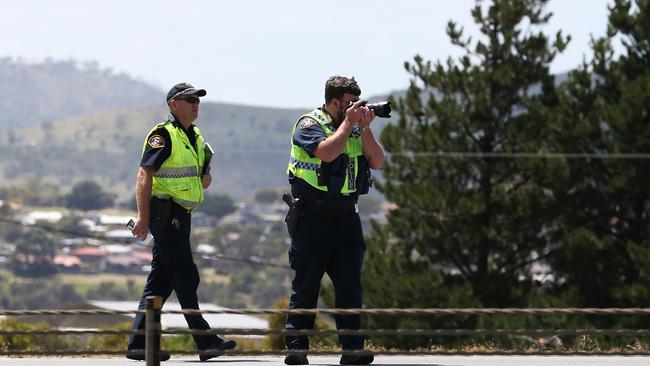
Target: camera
[[382, 109]]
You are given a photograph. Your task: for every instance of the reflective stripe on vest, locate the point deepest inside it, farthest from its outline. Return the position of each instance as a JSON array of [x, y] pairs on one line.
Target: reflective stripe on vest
[[303, 166], [181, 172], [179, 176]]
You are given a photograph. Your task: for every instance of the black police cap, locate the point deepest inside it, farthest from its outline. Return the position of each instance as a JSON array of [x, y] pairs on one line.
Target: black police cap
[[184, 89]]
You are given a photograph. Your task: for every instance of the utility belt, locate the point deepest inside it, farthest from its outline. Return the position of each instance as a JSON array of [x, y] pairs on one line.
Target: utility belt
[[299, 206], [319, 208], [164, 210]]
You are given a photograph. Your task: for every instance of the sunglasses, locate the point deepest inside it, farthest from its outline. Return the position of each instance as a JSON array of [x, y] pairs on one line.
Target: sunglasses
[[190, 99], [347, 102]]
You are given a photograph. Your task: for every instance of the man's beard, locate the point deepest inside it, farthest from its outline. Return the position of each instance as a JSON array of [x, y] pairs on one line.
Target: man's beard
[[339, 118]]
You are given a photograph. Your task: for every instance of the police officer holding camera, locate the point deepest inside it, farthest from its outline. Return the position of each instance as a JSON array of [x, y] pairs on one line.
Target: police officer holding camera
[[170, 184], [332, 152]]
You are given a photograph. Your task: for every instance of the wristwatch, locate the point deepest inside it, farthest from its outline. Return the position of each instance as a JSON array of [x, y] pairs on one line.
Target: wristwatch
[[365, 129]]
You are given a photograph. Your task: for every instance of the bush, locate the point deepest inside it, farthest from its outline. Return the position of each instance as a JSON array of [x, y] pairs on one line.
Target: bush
[[34, 342]]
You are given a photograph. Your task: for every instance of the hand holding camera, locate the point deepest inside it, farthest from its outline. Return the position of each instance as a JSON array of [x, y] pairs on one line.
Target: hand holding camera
[[354, 112], [367, 116], [365, 113]]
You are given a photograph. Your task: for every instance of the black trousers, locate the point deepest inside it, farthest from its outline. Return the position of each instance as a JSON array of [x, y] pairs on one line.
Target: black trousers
[[333, 245], [172, 269]]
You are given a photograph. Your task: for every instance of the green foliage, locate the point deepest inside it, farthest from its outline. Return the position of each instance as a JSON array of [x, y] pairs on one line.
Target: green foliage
[[321, 321], [71, 226], [268, 196], [37, 294], [604, 261], [33, 192], [181, 341], [107, 147], [480, 220], [394, 277], [217, 205], [109, 290], [33, 342], [249, 285], [109, 342], [34, 252], [277, 322], [368, 205], [88, 195], [474, 225]]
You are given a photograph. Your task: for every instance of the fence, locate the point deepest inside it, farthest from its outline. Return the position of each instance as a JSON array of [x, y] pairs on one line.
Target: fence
[[153, 329]]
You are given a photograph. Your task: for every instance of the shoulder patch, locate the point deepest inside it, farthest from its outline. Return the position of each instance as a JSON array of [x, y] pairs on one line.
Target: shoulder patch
[[307, 122], [156, 141]]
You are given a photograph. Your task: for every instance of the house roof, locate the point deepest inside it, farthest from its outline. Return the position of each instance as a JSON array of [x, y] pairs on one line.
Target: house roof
[[122, 260], [90, 251], [142, 256], [66, 260]]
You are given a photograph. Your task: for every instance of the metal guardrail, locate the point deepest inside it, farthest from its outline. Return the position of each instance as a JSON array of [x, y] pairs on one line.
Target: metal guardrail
[[385, 312], [153, 330], [430, 311], [368, 332]]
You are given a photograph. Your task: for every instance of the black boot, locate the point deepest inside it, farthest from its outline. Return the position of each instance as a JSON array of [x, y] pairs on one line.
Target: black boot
[[298, 358], [365, 358], [138, 355], [216, 349]]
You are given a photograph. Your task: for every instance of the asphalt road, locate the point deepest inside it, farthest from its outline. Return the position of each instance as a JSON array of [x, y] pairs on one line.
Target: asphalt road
[[323, 360]]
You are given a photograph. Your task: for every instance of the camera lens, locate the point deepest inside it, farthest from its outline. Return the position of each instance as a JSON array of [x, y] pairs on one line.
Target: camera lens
[[382, 109]]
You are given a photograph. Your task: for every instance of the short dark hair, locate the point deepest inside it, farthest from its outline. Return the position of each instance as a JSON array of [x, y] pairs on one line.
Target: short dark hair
[[336, 86]]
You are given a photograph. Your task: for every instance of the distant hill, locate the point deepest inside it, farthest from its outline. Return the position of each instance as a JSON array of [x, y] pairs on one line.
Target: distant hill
[[36, 94], [64, 122], [251, 148]]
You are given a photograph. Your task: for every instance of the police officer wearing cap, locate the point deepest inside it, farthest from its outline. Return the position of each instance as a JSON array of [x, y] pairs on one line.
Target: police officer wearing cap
[[332, 150], [170, 185]]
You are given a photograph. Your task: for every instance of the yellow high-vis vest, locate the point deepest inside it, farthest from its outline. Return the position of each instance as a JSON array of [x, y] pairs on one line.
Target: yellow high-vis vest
[[179, 177], [302, 166]]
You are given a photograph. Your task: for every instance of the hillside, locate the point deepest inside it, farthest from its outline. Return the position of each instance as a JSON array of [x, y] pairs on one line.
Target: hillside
[[65, 122], [251, 146], [36, 94]]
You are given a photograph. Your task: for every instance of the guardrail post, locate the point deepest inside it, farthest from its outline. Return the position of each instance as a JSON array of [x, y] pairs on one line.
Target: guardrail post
[[152, 331]]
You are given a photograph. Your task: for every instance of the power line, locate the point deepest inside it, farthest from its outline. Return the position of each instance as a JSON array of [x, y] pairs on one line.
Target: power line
[[495, 155], [521, 155]]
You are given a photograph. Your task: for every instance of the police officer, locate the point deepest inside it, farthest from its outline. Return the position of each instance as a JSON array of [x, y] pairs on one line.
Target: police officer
[[169, 186], [332, 150]]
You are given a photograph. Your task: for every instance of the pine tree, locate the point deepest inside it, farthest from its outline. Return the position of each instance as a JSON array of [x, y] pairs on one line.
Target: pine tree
[[606, 109], [468, 224]]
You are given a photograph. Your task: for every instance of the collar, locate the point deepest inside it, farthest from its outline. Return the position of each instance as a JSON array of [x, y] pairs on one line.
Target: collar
[[176, 123], [356, 131], [324, 110], [332, 126], [333, 122]]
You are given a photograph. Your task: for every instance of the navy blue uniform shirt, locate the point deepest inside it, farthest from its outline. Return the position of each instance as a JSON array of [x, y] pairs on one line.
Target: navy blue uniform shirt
[[308, 135]]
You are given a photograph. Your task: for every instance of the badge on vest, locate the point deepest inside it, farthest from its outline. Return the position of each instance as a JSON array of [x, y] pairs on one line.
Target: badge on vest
[[307, 122], [156, 141]]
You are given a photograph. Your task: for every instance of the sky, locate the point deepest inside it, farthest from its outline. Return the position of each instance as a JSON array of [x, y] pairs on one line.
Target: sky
[[261, 52]]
